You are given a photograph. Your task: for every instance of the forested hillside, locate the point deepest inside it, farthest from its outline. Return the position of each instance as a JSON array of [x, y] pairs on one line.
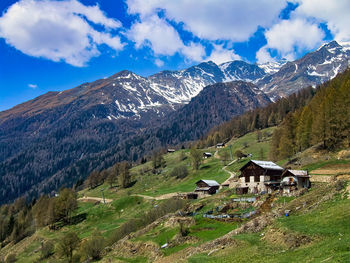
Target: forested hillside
[[260, 118], [325, 121]]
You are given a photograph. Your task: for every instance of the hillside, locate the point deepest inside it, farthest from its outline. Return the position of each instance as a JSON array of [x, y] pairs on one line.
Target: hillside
[[323, 122], [316, 226], [69, 147], [59, 138]]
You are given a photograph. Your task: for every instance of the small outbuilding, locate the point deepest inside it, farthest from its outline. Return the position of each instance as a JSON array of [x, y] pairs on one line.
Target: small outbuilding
[[295, 180], [171, 150], [207, 155], [220, 145], [207, 187]]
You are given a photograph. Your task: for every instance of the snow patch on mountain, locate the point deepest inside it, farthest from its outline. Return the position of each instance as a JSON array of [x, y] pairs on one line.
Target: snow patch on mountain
[[271, 67]]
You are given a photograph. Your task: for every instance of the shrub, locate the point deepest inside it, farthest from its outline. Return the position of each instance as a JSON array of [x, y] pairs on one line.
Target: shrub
[[93, 247], [47, 249], [184, 230], [340, 185], [11, 258], [133, 225], [68, 244], [179, 172]]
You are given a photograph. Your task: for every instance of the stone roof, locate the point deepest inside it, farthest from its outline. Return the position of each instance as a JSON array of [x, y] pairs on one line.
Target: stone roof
[[210, 182], [267, 165], [299, 173]]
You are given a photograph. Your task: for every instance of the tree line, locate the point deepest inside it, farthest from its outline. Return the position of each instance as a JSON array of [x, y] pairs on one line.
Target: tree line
[[324, 121], [257, 119], [20, 219]]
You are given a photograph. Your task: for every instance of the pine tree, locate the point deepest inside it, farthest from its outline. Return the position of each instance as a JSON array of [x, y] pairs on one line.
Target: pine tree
[[196, 157], [124, 176]]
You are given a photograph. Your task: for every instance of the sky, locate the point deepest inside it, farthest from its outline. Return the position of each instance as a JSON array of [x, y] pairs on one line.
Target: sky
[[54, 45]]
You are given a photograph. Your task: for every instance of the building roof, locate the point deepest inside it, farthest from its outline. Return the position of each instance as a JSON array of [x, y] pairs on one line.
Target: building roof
[[299, 173], [267, 165], [209, 182], [207, 153]]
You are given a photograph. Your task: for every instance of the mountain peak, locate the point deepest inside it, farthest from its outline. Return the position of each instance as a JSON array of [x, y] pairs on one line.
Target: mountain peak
[[332, 44], [125, 74]]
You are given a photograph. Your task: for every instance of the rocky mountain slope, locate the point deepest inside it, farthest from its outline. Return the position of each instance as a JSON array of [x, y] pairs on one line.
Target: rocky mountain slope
[[312, 69], [214, 105], [62, 136]]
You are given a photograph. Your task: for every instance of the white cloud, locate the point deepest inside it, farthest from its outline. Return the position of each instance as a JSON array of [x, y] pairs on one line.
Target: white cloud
[[58, 30], [33, 86], [193, 51], [290, 37], [159, 62], [157, 34], [335, 13], [263, 55], [220, 55], [212, 20]]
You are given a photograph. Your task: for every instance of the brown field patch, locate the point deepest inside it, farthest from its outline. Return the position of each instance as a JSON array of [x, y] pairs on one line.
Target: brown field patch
[[332, 171]]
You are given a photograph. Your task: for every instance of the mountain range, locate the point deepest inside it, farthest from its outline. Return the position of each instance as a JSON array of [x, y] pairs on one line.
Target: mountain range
[[60, 137]]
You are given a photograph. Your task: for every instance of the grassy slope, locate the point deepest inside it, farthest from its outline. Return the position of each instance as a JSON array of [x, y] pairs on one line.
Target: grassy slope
[[105, 218], [328, 225]]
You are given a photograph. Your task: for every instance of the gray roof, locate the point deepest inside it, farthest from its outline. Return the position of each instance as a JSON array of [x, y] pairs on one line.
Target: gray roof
[[301, 173], [267, 165], [210, 182]]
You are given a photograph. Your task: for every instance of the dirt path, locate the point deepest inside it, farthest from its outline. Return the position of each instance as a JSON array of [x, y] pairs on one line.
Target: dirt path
[[161, 197], [89, 198], [232, 174], [216, 154]]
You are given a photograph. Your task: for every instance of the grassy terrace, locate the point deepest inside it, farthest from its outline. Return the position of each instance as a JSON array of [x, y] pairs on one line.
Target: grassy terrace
[[327, 227]]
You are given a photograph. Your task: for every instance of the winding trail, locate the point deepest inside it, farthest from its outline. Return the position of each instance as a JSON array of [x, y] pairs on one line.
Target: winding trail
[[232, 174], [99, 199], [160, 197]]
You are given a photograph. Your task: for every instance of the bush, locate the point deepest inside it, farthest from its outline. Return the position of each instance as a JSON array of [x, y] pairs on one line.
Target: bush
[[184, 231], [133, 225], [47, 249], [179, 172], [182, 156], [11, 258], [340, 185], [93, 247], [68, 244]]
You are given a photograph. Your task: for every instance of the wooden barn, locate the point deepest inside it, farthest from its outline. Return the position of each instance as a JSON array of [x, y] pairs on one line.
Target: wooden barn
[[207, 155], [294, 180], [220, 145], [207, 187], [260, 176]]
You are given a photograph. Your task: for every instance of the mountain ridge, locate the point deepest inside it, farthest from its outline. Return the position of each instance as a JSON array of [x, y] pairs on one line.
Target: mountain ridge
[[70, 133]]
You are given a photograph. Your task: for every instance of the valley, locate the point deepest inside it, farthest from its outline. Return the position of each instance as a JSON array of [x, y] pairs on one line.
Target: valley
[[61, 137], [167, 131], [308, 232]]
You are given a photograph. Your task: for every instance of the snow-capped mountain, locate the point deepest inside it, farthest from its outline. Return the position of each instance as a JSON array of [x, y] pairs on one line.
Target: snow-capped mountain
[[60, 136], [272, 67], [312, 69], [181, 86]]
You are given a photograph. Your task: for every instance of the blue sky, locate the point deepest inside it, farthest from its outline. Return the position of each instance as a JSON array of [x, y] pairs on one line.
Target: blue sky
[[53, 45]]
